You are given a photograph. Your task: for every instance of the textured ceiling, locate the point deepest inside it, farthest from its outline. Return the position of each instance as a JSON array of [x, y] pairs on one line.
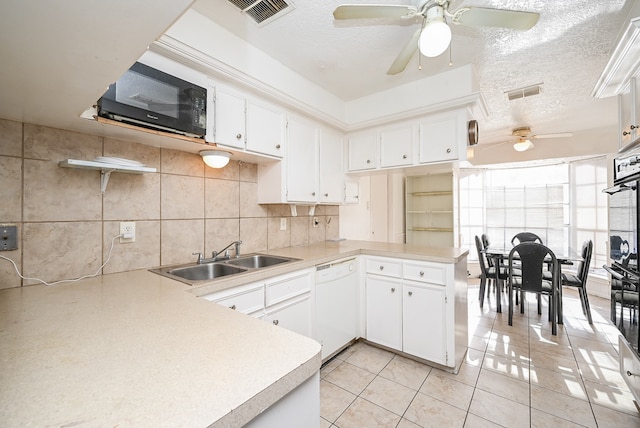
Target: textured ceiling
[[566, 50]]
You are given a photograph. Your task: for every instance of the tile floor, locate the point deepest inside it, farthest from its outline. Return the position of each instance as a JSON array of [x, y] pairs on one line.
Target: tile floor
[[513, 376]]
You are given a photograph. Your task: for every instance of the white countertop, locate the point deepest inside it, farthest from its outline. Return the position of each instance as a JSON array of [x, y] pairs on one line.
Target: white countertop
[[135, 349]]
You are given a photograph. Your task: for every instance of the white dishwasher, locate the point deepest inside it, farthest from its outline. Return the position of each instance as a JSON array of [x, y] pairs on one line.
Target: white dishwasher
[[336, 305]]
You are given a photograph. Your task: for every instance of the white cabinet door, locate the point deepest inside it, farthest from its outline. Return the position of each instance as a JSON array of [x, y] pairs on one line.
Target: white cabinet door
[[331, 172], [424, 322], [294, 315], [362, 151], [265, 129], [384, 311], [302, 161], [439, 139], [230, 118], [396, 146]]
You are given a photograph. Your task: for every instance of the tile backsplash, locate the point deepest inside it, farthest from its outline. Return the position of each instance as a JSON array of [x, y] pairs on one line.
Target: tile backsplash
[[66, 226]]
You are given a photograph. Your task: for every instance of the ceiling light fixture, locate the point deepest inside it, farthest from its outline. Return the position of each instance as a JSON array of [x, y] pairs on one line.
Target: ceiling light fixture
[[523, 145], [215, 158], [436, 35]]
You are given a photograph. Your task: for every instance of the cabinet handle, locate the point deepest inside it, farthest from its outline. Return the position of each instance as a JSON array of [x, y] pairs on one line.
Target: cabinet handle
[[393, 290], [278, 146], [326, 195], [410, 293], [275, 322], [448, 150], [368, 161], [238, 136], [381, 267], [232, 307], [421, 273], [313, 194], [404, 156], [632, 127]]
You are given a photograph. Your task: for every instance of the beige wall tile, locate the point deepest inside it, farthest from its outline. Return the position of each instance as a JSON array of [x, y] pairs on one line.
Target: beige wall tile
[[10, 189], [148, 155], [222, 198], [41, 142], [132, 197], [61, 250], [182, 197], [229, 172], [332, 227], [280, 210], [8, 276], [10, 138], [180, 238], [182, 163], [249, 201], [141, 254], [277, 238], [220, 233], [253, 233], [249, 172], [299, 231], [52, 193], [317, 233], [332, 210]]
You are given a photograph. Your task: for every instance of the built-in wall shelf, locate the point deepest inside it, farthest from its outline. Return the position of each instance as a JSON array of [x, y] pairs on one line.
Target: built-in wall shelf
[[429, 210], [105, 169], [439, 193], [432, 229]]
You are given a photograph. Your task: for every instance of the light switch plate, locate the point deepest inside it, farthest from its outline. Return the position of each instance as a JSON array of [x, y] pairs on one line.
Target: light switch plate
[[283, 223], [8, 238]]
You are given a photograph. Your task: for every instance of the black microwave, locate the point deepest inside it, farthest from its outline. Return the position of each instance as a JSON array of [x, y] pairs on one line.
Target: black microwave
[[151, 98]]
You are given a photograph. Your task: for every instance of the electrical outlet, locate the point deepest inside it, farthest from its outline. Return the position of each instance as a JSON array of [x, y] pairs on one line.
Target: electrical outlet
[[283, 223], [127, 228], [315, 222]]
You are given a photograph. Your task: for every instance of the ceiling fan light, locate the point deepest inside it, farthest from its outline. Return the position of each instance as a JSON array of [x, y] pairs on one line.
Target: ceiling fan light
[[436, 34], [215, 158], [523, 145]]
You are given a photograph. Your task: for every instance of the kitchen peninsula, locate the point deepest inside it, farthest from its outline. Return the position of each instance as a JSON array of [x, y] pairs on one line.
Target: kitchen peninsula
[[139, 349]]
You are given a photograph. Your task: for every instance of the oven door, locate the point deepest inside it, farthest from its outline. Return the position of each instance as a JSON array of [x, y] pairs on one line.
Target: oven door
[[623, 223]]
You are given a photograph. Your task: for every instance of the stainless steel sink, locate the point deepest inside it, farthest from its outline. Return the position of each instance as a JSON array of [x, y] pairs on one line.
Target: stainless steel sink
[[256, 261], [205, 271], [200, 272]]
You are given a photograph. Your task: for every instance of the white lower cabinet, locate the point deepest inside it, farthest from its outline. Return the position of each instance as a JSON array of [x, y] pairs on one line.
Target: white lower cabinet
[[248, 299], [418, 308], [424, 327], [384, 311], [294, 316]]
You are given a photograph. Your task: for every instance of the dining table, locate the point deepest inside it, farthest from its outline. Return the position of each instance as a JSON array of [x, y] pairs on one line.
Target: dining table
[[565, 256]]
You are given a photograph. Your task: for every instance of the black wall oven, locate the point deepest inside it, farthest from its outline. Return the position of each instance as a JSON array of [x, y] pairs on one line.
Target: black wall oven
[[149, 97]]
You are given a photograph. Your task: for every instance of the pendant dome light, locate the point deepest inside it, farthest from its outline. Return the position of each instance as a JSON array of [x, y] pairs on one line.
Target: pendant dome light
[[436, 34], [523, 145]]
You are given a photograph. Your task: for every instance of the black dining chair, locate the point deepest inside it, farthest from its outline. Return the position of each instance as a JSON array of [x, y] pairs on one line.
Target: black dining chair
[[525, 237], [485, 244], [532, 258], [579, 280], [487, 274]]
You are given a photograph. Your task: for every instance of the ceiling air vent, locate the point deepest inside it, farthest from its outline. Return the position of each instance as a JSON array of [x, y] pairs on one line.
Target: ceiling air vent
[[527, 91], [263, 11]]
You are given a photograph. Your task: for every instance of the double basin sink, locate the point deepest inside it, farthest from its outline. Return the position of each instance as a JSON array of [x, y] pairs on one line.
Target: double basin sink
[[195, 272]]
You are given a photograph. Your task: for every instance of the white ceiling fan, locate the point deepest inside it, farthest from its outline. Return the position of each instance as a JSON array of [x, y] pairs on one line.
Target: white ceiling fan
[[434, 36], [524, 137]]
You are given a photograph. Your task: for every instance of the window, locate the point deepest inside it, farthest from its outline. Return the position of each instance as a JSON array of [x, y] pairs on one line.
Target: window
[[561, 203]]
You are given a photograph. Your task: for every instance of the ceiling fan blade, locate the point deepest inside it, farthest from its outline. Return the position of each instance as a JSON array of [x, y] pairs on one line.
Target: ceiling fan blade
[[405, 55], [365, 11], [557, 135], [487, 17]]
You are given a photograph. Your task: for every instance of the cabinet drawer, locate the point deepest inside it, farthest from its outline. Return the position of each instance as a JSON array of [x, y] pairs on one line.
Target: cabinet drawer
[[432, 273], [247, 302], [386, 267], [287, 287]]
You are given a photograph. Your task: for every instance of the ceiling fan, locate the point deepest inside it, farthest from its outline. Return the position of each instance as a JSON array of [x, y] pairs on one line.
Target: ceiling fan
[[524, 136], [434, 36]]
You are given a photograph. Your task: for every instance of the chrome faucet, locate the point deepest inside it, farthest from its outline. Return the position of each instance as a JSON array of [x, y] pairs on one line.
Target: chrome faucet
[[215, 255]]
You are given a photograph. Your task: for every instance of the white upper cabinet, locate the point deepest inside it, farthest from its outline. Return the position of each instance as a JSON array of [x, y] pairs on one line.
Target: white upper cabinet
[[230, 118], [248, 124], [629, 111], [332, 178], [440, 138], [396, 146], [265, 129], [302, 160], [362, 150]]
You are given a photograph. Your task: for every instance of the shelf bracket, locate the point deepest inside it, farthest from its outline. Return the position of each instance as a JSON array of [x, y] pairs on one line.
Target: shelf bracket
[[104, 179]]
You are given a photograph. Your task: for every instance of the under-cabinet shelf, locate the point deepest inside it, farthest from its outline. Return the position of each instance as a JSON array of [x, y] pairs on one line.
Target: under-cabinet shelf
[[431, 229], [435, 193], [105, 169], [431, 212]]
